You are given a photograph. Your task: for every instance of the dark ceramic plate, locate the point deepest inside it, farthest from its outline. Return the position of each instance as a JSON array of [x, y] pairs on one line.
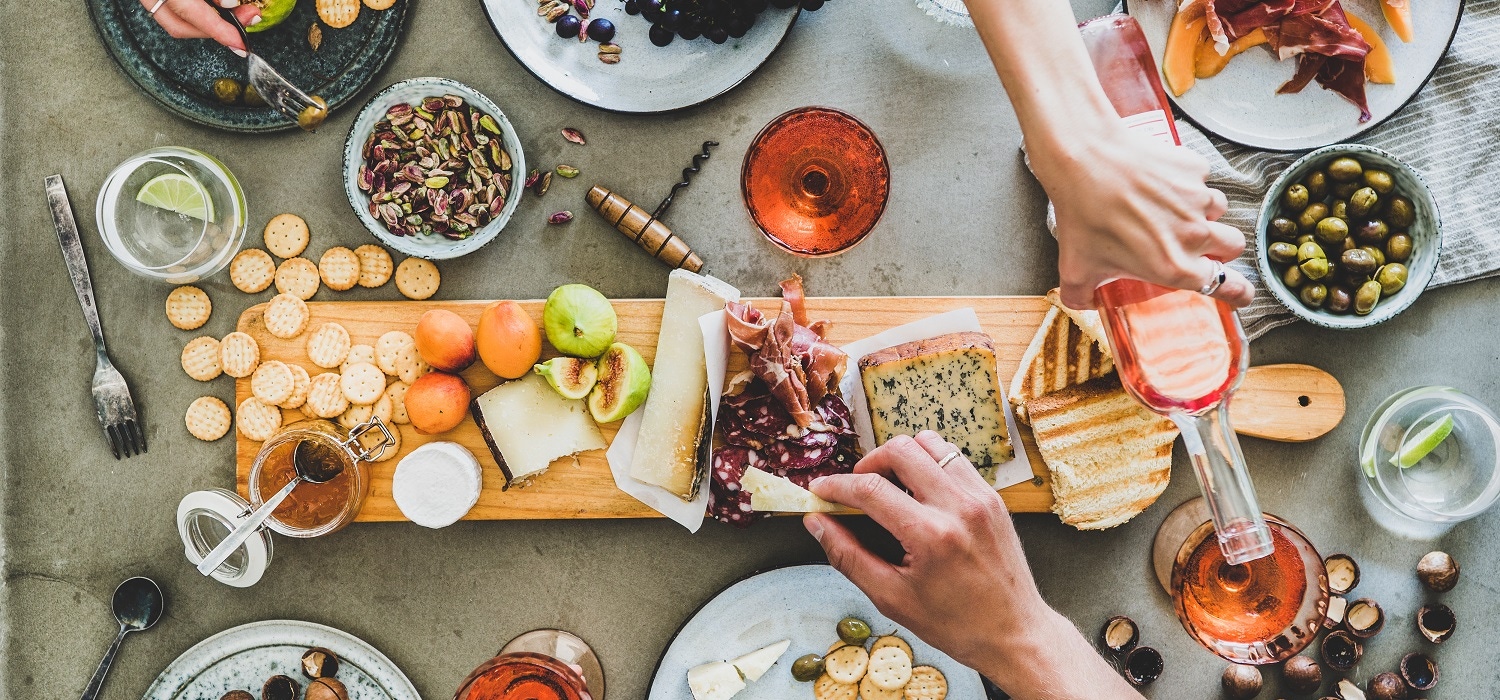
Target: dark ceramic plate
[[180, 73]]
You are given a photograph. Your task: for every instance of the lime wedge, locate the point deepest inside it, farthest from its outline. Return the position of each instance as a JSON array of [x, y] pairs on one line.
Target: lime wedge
[[1413, 450], [178, 193]]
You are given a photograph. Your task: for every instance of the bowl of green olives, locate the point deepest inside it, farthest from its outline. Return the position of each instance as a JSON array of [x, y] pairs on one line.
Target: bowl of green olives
[[1349, 236]]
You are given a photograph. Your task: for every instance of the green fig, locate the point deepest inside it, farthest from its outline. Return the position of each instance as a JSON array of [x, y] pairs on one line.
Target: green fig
[[579, 321], [624, 382], [569, 376]]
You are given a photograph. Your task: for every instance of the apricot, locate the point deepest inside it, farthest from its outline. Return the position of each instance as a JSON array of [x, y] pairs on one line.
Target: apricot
[[509, 341], [1379, 67], [437, 402], [445, 340]]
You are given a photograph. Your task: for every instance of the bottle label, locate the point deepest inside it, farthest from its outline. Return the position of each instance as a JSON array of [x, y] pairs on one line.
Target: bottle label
[[1156, 123]]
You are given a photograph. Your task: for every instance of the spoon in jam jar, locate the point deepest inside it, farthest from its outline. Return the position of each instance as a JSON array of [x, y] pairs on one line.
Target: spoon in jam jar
[[314, 464]]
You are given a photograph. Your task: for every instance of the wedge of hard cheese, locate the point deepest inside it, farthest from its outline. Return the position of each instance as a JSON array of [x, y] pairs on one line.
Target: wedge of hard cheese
[[1060, 355], [947, 384], [676, 411], [527, 425], [1109, 457], [774, 494]]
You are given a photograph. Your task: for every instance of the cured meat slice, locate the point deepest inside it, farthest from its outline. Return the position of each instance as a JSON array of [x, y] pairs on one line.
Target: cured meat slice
[[834, 413], [791, 291], [728, 502], [785, 456]]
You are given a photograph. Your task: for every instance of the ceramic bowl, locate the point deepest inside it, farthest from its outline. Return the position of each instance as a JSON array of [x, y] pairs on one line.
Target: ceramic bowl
[[432, 247], [1426, 233]]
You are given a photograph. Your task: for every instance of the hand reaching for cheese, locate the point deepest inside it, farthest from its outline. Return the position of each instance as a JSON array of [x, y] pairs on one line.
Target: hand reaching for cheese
[[963, 585]]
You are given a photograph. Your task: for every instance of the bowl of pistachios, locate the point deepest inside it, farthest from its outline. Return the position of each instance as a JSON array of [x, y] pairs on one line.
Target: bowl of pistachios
[[431, 167], [1349, 236]]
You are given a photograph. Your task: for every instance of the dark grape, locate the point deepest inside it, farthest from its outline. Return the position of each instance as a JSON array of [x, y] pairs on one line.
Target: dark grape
[[660, 35], [690, 28], [601, 30], [567, 26], [739, 26], [812, 5], [652, 10], [717, 35], [632, 7], [754, 7], [672, 20], [783, 4]]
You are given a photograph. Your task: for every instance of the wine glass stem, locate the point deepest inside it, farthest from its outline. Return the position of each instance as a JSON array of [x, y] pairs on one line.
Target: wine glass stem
[[1220, 467]]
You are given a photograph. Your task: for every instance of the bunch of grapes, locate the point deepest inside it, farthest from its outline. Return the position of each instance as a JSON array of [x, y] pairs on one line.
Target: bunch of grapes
[[715, 20]]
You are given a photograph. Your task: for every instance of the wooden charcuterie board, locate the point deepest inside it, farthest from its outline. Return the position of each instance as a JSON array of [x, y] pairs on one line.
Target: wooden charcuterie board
[[587, 490]]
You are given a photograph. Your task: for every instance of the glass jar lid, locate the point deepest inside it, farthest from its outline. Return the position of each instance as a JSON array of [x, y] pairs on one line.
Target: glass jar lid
[[205, 518]]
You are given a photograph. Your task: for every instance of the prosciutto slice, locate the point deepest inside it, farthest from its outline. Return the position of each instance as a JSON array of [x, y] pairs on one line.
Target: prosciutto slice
[[793, 359]]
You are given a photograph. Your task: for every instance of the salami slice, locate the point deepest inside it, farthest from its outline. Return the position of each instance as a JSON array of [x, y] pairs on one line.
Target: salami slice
[[787, 456], [728, 502], [834, 413]]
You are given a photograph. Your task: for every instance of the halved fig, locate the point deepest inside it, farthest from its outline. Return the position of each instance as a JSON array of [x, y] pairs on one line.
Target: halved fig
[[624, 382], [571, 377]]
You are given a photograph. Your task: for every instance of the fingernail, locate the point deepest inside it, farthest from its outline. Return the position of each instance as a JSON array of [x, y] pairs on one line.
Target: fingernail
[[255, 20], [814, 527], [240, 52], [229, 4]]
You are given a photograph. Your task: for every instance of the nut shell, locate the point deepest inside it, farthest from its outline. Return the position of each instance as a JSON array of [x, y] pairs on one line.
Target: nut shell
[[1241, 682], [1419, 671], [1301, 674], [1343, 573], [326, 689], [1340, 650], [279, 687], [1438, 571], [1347, 690], [1364, 619], [1119, 634], [238, 695], [1337, 606], [1143, 665], [318, 662], [1386, 686], [1436, 622]]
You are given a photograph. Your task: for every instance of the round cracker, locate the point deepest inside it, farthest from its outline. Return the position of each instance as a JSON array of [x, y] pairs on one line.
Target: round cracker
[[300, 384], [375, 265], [927, 683], [363, 383], [396, 392], [298, 277], [252, 270], [273, 382], [286, 316], [826, 688], [846, 664], [239, 354], [207, 418], [869, 691], [338, 13], [188, 307], [891, 640], [388, 349], [373, 438], [417, 278], [356, 414], [410, 365], [200, 358], [328, 346], [889, 668], [379, 4], [358, 353], [286, 235], [257, 420], [325, 398], [339, 268]]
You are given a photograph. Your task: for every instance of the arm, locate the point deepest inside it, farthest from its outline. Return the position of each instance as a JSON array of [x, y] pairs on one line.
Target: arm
[[963, 584], [194, 19], [1126, 206]]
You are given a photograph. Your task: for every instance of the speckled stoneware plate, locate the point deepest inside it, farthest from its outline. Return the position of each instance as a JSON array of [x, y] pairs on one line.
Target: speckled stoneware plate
[[1241, 105], [803, 603], [648, 79], [242, 658], [411, 91], [180, 73], [1426, 233]]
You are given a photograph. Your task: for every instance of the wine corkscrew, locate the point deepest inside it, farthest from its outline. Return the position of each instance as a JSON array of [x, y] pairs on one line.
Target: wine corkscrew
[[646, 229]]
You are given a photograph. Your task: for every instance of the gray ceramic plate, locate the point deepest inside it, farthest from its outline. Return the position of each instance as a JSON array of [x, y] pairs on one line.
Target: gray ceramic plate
[[180, 73], [648, 79], [244, 657], [803, 603], [1241, 104]]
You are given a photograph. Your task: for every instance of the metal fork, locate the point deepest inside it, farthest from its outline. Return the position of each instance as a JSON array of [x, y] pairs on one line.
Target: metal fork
[[275, 89], [112, 401]]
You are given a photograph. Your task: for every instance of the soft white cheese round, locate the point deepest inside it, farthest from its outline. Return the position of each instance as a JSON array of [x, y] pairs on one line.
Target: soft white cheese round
[[436, 484]]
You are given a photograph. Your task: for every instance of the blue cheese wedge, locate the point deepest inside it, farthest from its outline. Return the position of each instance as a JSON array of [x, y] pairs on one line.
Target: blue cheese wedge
[[948, 384], [773, 494], [755, 664], [527, 426], [716, 680]]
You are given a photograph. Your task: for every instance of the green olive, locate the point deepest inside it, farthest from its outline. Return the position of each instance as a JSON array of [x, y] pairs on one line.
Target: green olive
[[227, 90], [1293, 278], [1308, 220], [312, 116], [1357, 262], [1375, 252], [1398, 248], [1331, 231], [1339, 209], [1400, 212], [1363, 202], [1339, 299], [1316, 183], [1282, 229], [1347, 244], [1295, 198], [1309, 251], [1342, 190], [807, 668], [1392, 278], [1366, 297], [253, 98], [1313, 295], [1380, 181], [1306, 238], [1282, 252], [1345, 169], [1314, 268], [1371, 231], [853, 630]]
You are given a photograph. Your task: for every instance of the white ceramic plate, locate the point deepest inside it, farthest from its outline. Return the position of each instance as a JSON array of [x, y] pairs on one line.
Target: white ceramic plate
[[242, 658], [1241, 104], [803, 603], [648, 78]]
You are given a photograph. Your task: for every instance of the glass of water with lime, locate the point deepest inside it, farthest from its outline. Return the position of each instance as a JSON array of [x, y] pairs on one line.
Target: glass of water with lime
[[172, 214], [1430, 453]]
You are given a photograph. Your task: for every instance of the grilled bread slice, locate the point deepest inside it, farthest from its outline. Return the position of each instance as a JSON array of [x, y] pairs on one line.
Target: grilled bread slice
[[1061, 354], [1109, 457]]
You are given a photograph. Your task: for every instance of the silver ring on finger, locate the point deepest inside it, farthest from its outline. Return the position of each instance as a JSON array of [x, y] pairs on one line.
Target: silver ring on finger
[[156, 7], [946, 459], [1220, 273]]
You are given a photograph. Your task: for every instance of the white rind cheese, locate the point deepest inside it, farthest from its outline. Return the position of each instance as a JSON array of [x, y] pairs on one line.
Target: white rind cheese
[[755, 664], [716, 680], [437, 484], [527, 425], [672, 421], [946, 384], [773, 494]]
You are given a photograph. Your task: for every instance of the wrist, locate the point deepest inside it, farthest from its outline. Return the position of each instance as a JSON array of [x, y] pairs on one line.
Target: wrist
[[1051, 659]]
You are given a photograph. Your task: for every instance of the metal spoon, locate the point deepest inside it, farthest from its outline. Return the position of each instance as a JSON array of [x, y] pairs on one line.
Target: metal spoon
[[137, 604], [314, 464]]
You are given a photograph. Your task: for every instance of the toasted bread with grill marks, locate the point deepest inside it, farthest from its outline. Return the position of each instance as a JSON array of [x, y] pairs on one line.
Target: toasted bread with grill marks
[[1061, 354]]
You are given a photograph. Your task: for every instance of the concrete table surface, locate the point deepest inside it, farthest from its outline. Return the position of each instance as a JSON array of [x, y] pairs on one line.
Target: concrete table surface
[[963, 219]]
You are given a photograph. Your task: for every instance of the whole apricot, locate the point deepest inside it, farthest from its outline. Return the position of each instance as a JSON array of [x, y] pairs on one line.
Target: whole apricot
[[437, 402], [509, 341]]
